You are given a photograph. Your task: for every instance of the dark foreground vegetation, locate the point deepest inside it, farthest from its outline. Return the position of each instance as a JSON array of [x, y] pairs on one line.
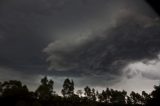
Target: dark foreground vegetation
[[14, 93]]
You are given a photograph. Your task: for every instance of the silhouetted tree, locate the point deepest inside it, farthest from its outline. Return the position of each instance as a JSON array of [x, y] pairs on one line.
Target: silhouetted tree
[[108, 95], [68, 88], [97, 95], [102, 97], [136, 98], [145, 97], [45, 90], [0, 88], [155, 97], [14, 93], [156, 92], [93, 95], [79, 93], [129, 101], [118, 97], [13, 88], [87, 92]]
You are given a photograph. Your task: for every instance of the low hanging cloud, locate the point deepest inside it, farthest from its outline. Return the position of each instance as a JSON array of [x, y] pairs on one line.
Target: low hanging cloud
[[105, 54], [147, 69]]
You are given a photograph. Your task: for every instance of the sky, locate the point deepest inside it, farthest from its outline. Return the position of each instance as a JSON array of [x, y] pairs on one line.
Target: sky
[[99, 43]]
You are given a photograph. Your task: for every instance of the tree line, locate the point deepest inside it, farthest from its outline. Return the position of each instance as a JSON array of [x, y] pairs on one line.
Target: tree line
[[14, 93]]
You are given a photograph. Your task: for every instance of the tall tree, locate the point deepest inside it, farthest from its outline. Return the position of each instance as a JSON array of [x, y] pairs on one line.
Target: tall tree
[[79, 93], [136, 98], [155, 97], [13, 88], [93, 95], [118, 97], [0, 88], [68, 88], [129, 101], [102, 96], [45, 90], [145, 97], [106, 95], [88, 92]]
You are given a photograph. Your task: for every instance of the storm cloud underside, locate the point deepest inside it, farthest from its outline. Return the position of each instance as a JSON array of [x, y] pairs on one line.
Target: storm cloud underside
[[131, 38]]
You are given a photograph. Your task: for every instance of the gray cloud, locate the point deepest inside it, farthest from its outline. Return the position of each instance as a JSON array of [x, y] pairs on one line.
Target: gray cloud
[[26, 27], [149, 69], [22, 26], [134, 38]]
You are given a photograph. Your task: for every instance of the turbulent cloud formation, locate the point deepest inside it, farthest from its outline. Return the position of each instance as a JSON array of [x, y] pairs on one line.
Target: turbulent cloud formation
[[149, 69], [105, 54]]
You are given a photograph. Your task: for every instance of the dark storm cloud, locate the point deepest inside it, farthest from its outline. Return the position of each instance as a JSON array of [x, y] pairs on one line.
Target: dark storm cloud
[[23, 33], [26, 27], [20, 29], [104, 55]]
